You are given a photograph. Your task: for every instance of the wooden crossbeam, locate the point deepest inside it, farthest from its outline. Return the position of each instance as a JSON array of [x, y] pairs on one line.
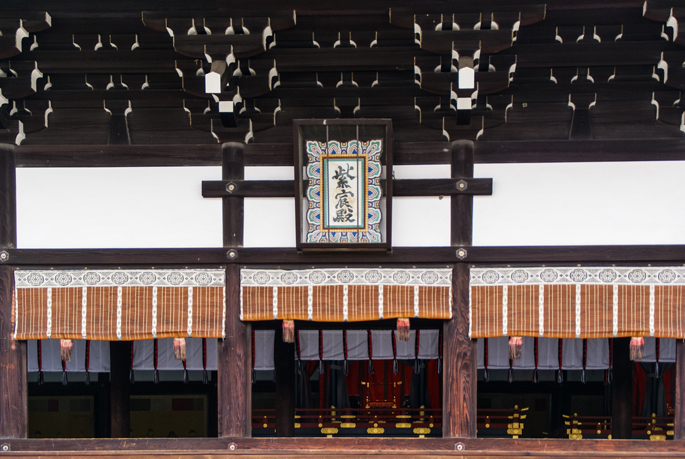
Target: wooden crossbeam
[[286, 188]]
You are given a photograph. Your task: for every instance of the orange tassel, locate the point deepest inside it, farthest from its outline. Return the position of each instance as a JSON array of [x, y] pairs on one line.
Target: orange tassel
[[288, 331], [515, 346], [180, 348], [403, 329], [65, 348], [637, 348]]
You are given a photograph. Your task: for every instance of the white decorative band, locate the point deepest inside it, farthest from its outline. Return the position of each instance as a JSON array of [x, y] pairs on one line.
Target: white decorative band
[[578, 286], [652, 300], [275, 302], [48, 329], [120, 302], [120, 278], [505, 307], [154, 312], [674, 275], [615, 312], [346, 300], [380, 302], [541, 311], [84, 304], [416, 301], [190, 311], [310, 302], [441, 277]]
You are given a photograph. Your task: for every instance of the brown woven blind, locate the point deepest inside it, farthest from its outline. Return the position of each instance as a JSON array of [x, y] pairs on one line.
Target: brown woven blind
[[578, 302], [345, 295], [110, 305]]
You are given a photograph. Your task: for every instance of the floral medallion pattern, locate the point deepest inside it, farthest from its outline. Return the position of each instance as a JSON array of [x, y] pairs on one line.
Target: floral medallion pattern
[[438, 277], [121, 278], [615, 275]]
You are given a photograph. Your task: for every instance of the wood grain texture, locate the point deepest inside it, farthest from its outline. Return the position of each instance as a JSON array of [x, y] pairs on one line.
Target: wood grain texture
[[346, 447], [285, 188], [8, 203], [234, 390], [622, 390], [462, 205], [679, 427], [284, 363], [13, 385], [120, 389], [233, 169], [595, 255]]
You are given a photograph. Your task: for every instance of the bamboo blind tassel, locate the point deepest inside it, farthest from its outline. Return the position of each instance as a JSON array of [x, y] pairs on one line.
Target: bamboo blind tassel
[[65, 348], [637, 348], [180, 349], [403, 329], [515, 346], [288, 331]]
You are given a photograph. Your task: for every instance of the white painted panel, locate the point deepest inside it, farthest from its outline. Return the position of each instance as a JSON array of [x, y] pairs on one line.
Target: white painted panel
[[135, 207], [602, 203], [421, 221], [269, 222], [269, 173]]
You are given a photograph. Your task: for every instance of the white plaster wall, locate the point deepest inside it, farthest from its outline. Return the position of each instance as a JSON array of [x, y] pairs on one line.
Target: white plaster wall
[[600, 203], [269, 222], [421, 221], [126, 207]]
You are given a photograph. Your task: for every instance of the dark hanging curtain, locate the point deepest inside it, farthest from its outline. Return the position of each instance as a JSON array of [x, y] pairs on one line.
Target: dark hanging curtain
[[337, 388], [419, 392], [655, 392], [303, 387]]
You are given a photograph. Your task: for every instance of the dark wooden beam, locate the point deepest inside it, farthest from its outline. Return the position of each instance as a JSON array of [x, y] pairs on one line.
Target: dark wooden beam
[[234, 390], [588, 255], [120, 389], [621, 390], [13, 385], [679, 427], [459, 351], [286, 188], [284, 363], [234, 385], [281, 154], [8, 203]]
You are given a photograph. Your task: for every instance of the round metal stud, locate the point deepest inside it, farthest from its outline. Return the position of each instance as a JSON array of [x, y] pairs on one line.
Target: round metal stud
[[231, 254], [230, 187], [462, 185], [4, 256], [459, 446], [461, 253], [232, 446], [6, 447]]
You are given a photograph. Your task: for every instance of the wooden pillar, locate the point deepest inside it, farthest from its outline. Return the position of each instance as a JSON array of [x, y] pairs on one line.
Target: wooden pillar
[[284, 363], [13, 385], [234, 392], [459, 352], [679, 428], [119, 389], [622, 390]]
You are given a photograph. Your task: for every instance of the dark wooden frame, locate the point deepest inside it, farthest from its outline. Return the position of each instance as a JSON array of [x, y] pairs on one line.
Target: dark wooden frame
[[387, 191]]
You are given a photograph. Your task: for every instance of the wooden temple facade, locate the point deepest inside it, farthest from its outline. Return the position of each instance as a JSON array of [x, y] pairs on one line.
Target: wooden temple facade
[[207, 170]]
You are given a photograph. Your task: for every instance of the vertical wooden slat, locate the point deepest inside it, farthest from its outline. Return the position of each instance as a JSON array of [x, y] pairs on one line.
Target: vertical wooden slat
[[284, 363], [8, 203], [679, 428], [459, 352], [13, 387], [234, 390], [621, 390], [120, 389]]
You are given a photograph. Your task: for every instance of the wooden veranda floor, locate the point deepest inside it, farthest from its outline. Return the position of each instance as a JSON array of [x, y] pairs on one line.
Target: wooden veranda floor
[[347, 448]]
